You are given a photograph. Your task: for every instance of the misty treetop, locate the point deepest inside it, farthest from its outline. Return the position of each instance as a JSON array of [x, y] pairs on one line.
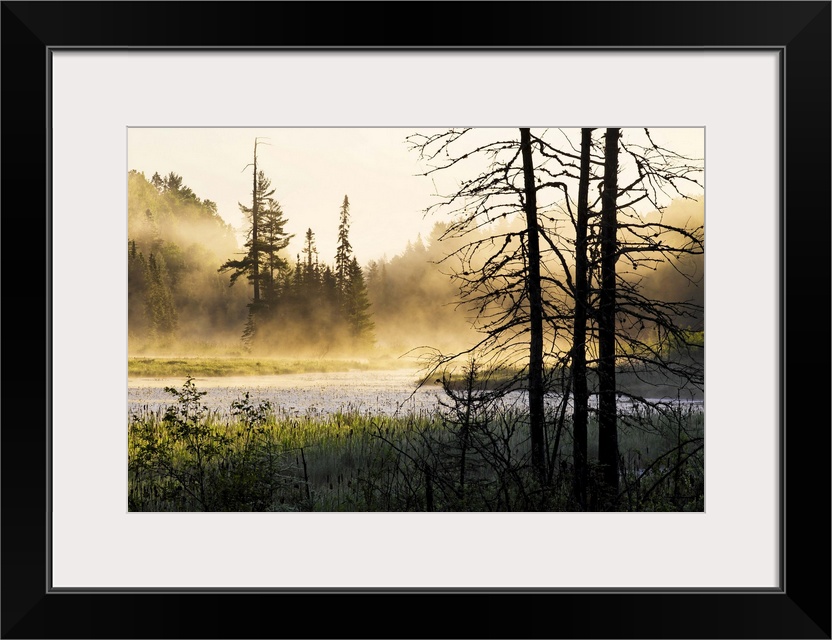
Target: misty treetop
[[175, 242], [307, 312], [411, 299], [181, 278], [420, 297], [311, 307]]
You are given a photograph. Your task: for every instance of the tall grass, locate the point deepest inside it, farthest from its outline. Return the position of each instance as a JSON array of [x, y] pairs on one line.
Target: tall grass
[[471, 454]]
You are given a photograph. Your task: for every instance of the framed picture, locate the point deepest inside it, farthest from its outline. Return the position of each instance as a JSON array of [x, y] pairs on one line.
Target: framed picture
[[79, 78]]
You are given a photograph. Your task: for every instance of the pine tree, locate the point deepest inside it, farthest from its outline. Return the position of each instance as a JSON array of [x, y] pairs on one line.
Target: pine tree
[[160, 305], [343, 254], [138, 315], [310, 253], [358, 305], [262, 264], [274, 239], [250, 264]]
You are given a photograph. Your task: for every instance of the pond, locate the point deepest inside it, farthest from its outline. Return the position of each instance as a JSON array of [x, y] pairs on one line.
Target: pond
[[374, 392], [380, 392]]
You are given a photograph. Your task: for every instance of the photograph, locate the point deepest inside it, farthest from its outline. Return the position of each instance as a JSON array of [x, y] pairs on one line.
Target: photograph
[[411, 320], [392, 319]]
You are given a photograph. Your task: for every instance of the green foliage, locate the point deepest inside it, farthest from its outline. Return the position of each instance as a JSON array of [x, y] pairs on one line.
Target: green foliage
[[262, 263], [343, 254], [357, 305], [471, 455], [272, 242], [188, 462]]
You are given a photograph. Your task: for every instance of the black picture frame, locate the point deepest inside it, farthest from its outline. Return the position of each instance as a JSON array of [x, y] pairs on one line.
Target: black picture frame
[[800, 608]]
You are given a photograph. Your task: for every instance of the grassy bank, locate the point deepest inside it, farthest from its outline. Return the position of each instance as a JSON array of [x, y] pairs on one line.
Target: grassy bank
[[202, 367]]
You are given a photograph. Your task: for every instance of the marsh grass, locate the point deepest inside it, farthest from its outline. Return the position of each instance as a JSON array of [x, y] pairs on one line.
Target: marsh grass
[[472, 454], [202, 367]]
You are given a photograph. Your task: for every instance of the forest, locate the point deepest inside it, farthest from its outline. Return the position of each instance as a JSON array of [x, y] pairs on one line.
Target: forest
[[181, 302], [557, 306]]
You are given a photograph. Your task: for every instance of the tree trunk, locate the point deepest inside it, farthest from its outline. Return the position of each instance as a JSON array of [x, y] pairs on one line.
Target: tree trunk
[[536, 412], [580, 394], [255, 251], [607, 420]]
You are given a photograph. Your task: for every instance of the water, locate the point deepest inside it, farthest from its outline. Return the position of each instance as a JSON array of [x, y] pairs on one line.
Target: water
[[300, 394], [388, 392]]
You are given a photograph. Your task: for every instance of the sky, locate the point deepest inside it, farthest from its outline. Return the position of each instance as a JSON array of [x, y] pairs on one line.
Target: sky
[[312, 169]]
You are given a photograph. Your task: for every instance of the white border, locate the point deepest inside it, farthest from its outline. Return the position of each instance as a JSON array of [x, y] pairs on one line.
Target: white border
[[97, 544]]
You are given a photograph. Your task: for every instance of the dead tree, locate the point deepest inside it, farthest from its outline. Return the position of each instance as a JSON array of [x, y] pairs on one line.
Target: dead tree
[[580, 392], [500, 263], [607, 405]]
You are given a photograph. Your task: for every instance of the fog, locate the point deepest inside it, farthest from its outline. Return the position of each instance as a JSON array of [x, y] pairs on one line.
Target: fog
[[181, 304]]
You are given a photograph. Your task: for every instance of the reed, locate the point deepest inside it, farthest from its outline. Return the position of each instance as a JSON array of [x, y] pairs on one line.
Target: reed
[[255, 457]]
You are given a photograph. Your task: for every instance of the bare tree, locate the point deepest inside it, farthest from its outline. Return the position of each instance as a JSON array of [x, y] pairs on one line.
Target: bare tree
[[532, 276], [500, 266], [634, 336], [558, 298], [579, 374], [607, 406]]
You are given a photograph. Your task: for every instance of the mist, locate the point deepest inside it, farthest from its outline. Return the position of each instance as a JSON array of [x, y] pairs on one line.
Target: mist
[[533, 331], [180, 304]]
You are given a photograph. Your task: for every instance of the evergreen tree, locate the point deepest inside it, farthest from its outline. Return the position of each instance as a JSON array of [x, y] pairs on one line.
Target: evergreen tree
[[329, 286], [173, 182], [358, 305], [343, 254], [262, 264], [192, 239], [160, 305], [274, 239], [310, 253], [153, 232], [138, 316], [249, 265]]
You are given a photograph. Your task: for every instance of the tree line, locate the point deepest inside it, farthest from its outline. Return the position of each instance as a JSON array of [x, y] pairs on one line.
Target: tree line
[[306, 305], [185, 292], [175, 241]]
